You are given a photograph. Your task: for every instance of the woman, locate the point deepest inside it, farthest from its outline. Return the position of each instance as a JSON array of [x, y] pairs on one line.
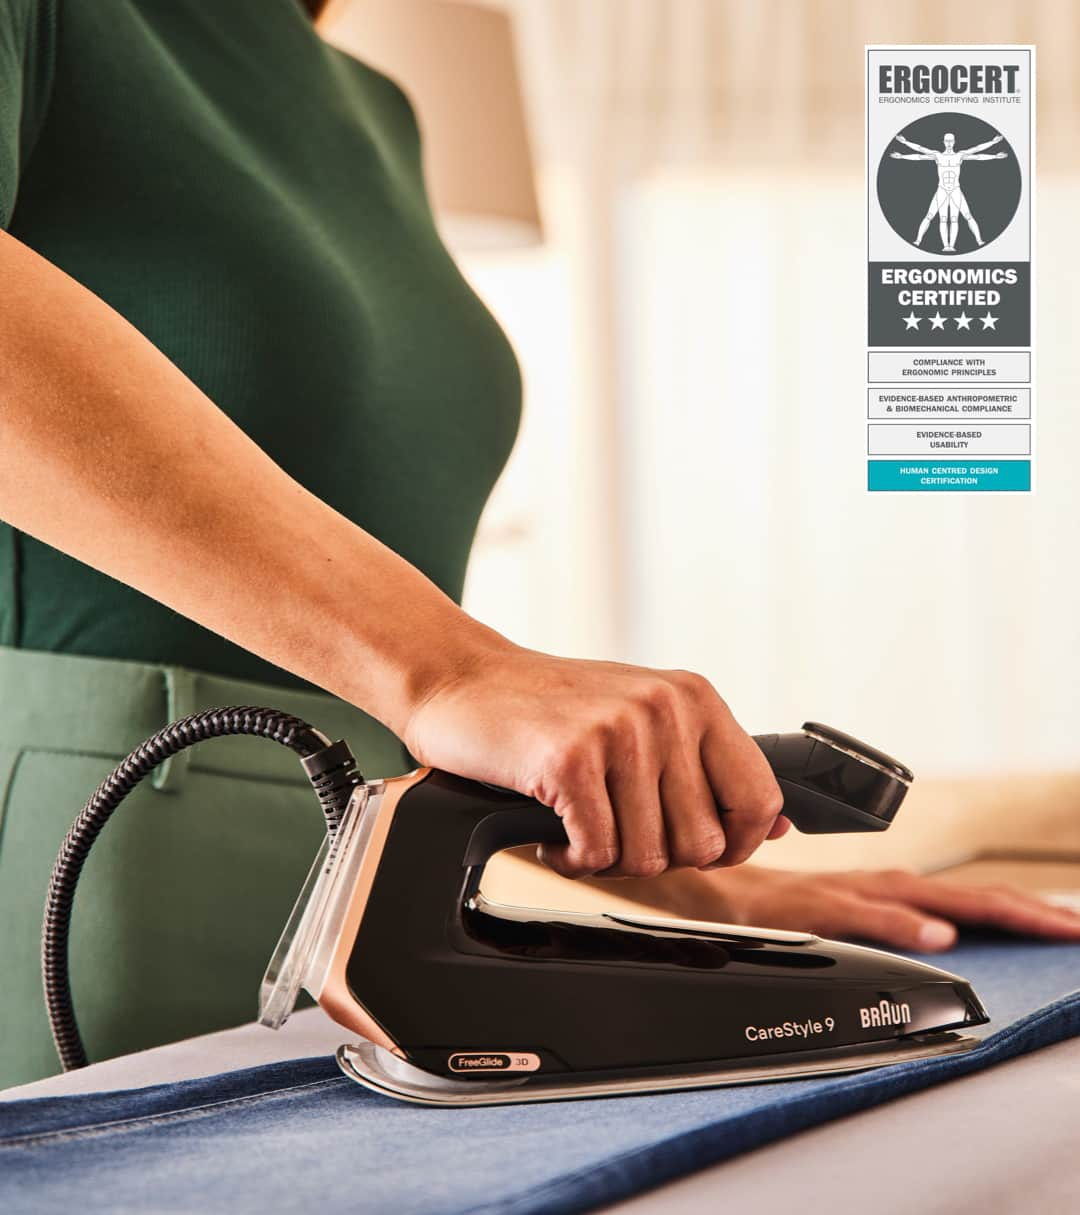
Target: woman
[[249, 415]]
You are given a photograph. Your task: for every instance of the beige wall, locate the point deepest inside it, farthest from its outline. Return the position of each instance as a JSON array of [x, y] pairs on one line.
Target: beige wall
[[669, 502], [701, 165]]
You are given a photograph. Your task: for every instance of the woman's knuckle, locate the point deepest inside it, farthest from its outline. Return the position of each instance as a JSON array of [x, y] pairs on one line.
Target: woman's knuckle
[[597, 857], [658, 698], [600, 734], [707, 856], [643, 865], [564, 764], [771, 802], [574, 760], [702, 850], [761, 806], [696, 686], [630, 728]]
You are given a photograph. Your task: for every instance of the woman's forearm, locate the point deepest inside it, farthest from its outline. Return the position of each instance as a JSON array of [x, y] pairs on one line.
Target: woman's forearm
[[109, 453]]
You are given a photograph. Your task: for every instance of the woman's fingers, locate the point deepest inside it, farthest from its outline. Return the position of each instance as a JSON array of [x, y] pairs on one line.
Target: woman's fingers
[[779, 829], [892, 908], [993, 906], [684, 785], [827, 904], [910, 911], [590, 825], [695, 833], [634, 790], [895, 924], [647, 768], [744, 786]]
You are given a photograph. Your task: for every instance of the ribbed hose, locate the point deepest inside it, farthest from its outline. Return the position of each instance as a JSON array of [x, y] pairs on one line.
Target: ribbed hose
[[330, 767]]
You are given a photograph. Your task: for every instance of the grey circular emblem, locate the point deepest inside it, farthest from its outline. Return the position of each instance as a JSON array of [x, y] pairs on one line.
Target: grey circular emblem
[[949, 183]]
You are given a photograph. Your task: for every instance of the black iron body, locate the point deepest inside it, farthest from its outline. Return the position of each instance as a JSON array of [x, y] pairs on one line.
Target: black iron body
[[621, 995], [395, 939]]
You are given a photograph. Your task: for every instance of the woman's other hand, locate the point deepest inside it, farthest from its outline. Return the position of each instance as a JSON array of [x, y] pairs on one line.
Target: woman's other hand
[[635, 761], [891, 907]]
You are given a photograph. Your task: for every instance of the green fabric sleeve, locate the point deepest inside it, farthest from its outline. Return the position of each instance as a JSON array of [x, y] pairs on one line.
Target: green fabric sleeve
[[27, 36]]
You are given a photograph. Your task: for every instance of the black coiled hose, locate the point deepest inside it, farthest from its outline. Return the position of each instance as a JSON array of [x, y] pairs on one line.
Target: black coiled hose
[[330, 767]]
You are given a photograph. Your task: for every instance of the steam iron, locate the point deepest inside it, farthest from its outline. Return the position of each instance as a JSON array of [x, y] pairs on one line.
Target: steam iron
[[459, 1000]]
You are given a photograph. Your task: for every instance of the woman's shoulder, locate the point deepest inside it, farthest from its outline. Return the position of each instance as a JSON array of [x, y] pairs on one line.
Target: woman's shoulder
[[394, 104]]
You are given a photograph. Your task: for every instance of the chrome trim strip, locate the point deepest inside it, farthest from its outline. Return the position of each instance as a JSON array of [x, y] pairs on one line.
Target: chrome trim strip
[[672, 925], [635, 922], [378, 1070]]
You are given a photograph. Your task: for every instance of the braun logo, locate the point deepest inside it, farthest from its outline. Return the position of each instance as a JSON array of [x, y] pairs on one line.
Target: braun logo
[[885, 1013], [961, 78]]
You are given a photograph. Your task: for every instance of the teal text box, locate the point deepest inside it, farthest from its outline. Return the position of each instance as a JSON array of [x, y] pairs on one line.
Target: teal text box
[[952, 476]]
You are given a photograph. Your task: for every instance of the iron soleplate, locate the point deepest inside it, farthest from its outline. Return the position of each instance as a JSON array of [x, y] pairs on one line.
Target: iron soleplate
[[382, 1072]]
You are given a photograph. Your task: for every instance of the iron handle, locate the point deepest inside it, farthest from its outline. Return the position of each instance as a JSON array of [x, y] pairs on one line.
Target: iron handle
[[526, 823], [828, 788]]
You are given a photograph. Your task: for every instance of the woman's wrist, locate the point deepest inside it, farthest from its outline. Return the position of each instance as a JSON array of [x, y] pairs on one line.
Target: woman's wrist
[[453, 649], [394, 657]]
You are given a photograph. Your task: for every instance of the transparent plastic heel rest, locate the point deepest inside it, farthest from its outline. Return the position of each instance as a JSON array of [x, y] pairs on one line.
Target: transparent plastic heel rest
[[306, 946]]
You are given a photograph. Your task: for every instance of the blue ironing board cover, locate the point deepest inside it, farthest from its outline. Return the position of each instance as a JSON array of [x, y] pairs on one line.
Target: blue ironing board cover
[[298, 1136]]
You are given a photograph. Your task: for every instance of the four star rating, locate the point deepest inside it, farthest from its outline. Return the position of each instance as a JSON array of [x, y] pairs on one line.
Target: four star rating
[[937, 321]]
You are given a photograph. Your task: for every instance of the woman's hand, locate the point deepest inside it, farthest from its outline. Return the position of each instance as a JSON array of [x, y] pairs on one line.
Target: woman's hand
[[635, 761], [891, 907]]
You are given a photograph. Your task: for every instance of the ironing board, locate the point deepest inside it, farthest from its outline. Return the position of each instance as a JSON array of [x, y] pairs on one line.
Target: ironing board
[[292, 1135]]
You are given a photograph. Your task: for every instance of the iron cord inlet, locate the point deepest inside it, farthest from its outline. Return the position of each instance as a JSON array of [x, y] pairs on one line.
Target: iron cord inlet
[[330, 767]]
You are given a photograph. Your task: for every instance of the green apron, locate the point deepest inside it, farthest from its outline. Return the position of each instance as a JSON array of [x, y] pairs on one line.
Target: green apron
[[188, 887], [252, 200]]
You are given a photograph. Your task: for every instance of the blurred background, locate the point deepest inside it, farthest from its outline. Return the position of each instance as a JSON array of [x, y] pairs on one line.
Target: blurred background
[[662, 202]]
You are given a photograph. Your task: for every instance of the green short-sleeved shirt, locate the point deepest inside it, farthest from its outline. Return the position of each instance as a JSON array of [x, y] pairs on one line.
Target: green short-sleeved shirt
[[251, 199]]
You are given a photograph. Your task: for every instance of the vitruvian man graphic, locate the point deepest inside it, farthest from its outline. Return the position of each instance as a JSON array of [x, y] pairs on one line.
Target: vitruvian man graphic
[[949, 203]]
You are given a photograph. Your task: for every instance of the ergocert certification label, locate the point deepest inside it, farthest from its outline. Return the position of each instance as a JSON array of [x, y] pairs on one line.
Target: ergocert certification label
[[950, 383]]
